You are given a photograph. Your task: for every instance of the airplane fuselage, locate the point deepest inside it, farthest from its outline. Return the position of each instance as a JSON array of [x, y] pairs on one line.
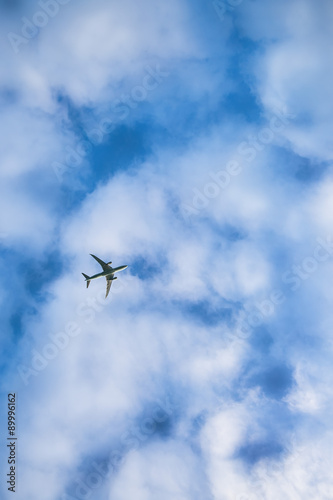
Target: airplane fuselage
[[108, 272]]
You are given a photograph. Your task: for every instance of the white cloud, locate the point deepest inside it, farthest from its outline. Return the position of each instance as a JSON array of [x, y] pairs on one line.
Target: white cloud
[[23, 219], [83, 55], [295, 72], [136, 345], [161, 470]]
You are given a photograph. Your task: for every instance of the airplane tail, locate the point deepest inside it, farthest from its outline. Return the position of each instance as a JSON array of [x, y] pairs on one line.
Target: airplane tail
[[87, 279]]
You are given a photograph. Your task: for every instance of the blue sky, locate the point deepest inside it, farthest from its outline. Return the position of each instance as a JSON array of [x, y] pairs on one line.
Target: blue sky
[[191, 141]]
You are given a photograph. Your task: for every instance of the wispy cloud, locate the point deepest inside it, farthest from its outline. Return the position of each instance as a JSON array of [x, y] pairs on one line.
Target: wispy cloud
[[186, 137]]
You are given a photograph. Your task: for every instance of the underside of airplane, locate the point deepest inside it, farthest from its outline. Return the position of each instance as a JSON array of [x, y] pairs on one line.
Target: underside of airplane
[[108, 272]]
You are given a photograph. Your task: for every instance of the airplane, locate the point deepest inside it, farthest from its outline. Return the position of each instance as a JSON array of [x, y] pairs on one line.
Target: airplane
[[108, 272]]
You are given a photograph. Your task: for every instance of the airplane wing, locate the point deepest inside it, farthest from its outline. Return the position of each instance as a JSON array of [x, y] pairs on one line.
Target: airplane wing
[[108, 284], [104, 265]]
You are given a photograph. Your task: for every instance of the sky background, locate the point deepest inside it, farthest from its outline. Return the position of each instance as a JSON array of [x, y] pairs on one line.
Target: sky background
[[190, 140]]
